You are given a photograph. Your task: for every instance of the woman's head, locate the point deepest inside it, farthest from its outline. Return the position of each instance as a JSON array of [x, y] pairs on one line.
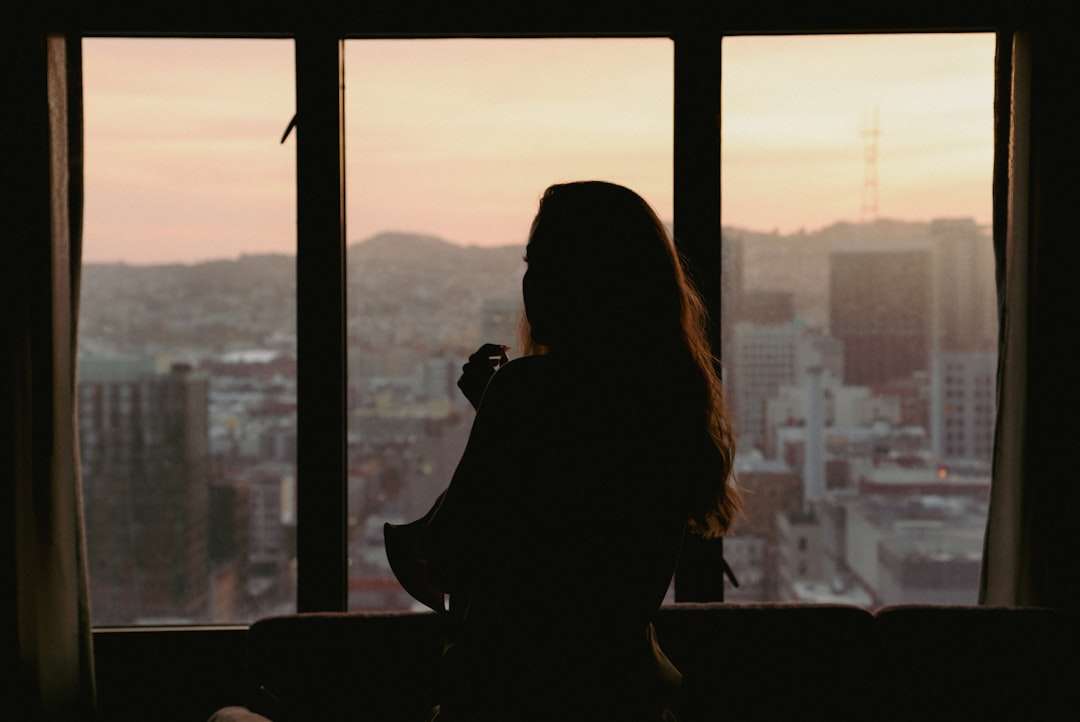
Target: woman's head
[[601, 271], [604, 279]]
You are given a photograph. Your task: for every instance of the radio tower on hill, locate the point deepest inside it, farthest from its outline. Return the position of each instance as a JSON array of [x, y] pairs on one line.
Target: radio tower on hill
[[870, 134]]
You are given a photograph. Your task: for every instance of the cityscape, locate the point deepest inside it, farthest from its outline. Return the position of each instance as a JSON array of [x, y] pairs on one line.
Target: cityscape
[[859, 362]]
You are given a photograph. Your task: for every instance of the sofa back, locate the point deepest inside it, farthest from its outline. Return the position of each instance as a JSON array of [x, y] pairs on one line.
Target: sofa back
[[978, 663], [740, 662], [768, 661], [355, 666]]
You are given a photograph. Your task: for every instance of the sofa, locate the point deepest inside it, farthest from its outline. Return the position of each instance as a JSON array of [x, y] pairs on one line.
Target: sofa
[[739, 661]]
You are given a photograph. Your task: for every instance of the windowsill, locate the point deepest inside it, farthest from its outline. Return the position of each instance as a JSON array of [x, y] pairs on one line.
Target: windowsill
[[173, 628]]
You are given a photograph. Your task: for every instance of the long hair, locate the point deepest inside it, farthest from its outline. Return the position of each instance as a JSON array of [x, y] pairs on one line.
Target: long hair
[[604, 273]]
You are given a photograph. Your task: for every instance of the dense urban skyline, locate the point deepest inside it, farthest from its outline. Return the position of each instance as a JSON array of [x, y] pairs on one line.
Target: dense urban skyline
[[865, 480]]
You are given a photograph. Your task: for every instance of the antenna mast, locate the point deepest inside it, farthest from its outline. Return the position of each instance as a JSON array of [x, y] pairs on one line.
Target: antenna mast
[[870, 135]]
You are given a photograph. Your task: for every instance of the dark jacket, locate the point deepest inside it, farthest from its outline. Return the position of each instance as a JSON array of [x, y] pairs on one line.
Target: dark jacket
[[557, 540]]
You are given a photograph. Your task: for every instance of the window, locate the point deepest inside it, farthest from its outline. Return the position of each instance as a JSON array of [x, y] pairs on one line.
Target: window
[[187, 339], [449, 145], [856, 241], [414, 111]]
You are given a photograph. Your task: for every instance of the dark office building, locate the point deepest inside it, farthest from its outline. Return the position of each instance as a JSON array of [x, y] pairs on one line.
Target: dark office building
[[879, 307], [143, 439], [767, 307]]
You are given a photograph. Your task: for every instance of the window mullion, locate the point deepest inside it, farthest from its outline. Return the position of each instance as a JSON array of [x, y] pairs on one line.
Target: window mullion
[[321, 356], [699, 577]]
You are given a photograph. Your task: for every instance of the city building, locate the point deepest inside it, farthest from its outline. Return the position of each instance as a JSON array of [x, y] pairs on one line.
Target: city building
[[769, 488], [915, 533], [844, 407], [815, 348], [748, 557], [764, 360], [813, 555], [144, 454], [270, 488], [766, 307], [965, 299], [934, 567], [879, 308], [964, 408], [913, 394], [731, 292], [228, 531], [801, 551]]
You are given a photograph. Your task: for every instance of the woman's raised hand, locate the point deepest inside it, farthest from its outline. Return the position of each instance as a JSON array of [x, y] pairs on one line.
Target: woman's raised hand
[[479, 369]]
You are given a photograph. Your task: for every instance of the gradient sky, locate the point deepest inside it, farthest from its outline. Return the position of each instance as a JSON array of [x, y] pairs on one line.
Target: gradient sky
[[459, 137]]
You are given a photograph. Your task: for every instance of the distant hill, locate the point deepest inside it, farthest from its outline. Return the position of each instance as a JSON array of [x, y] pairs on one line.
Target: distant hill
[[403, 279], [386, 250], [400, 280], [396, 250]]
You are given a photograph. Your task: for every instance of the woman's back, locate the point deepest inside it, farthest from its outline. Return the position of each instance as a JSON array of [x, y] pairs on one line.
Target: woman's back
[[585, 518], [587, 463]]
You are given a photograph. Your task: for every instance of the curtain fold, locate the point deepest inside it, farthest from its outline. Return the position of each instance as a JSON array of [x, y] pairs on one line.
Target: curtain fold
[[74, 78], [1032, 547], [1003, 543], [53, 654]]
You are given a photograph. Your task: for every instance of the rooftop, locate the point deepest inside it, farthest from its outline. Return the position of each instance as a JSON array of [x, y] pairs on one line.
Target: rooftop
[[815, 592]]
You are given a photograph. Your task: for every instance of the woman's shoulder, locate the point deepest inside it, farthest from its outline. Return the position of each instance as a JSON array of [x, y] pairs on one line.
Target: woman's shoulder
[[529, 372], [524, 366], [517, 379]]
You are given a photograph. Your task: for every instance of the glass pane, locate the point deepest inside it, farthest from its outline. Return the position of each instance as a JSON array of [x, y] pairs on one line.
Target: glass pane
[[187, 340], [450, 145], [860, 327]]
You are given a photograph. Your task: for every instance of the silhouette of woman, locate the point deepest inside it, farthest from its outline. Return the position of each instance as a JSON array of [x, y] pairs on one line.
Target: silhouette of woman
[[588, 460]]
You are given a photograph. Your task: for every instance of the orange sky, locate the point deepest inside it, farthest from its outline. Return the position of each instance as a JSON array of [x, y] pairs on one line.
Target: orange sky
[[459, 137]]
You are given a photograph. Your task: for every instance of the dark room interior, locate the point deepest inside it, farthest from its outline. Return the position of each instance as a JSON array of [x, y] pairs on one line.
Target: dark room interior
[[209, 448]]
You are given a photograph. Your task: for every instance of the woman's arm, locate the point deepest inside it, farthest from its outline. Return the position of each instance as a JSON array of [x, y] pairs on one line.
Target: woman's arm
[[467, 527]]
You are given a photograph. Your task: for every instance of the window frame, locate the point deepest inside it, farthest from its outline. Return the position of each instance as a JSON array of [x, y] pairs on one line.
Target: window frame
[[321, 468]]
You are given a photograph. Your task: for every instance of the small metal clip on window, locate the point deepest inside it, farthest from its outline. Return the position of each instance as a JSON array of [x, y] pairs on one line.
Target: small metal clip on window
[[289, 127], [729, 573]]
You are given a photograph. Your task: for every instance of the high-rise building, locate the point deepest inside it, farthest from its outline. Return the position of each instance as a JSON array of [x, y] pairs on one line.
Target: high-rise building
[[227, 538], [964, 406], [731, 293], [963, 358], [143, 438], [767, 307], [271, 489], [964, 295], [764, 360], [732, 285], [879, 308]]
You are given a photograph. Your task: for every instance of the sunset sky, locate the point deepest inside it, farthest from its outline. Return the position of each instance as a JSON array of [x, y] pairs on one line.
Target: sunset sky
[[459, 137]]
